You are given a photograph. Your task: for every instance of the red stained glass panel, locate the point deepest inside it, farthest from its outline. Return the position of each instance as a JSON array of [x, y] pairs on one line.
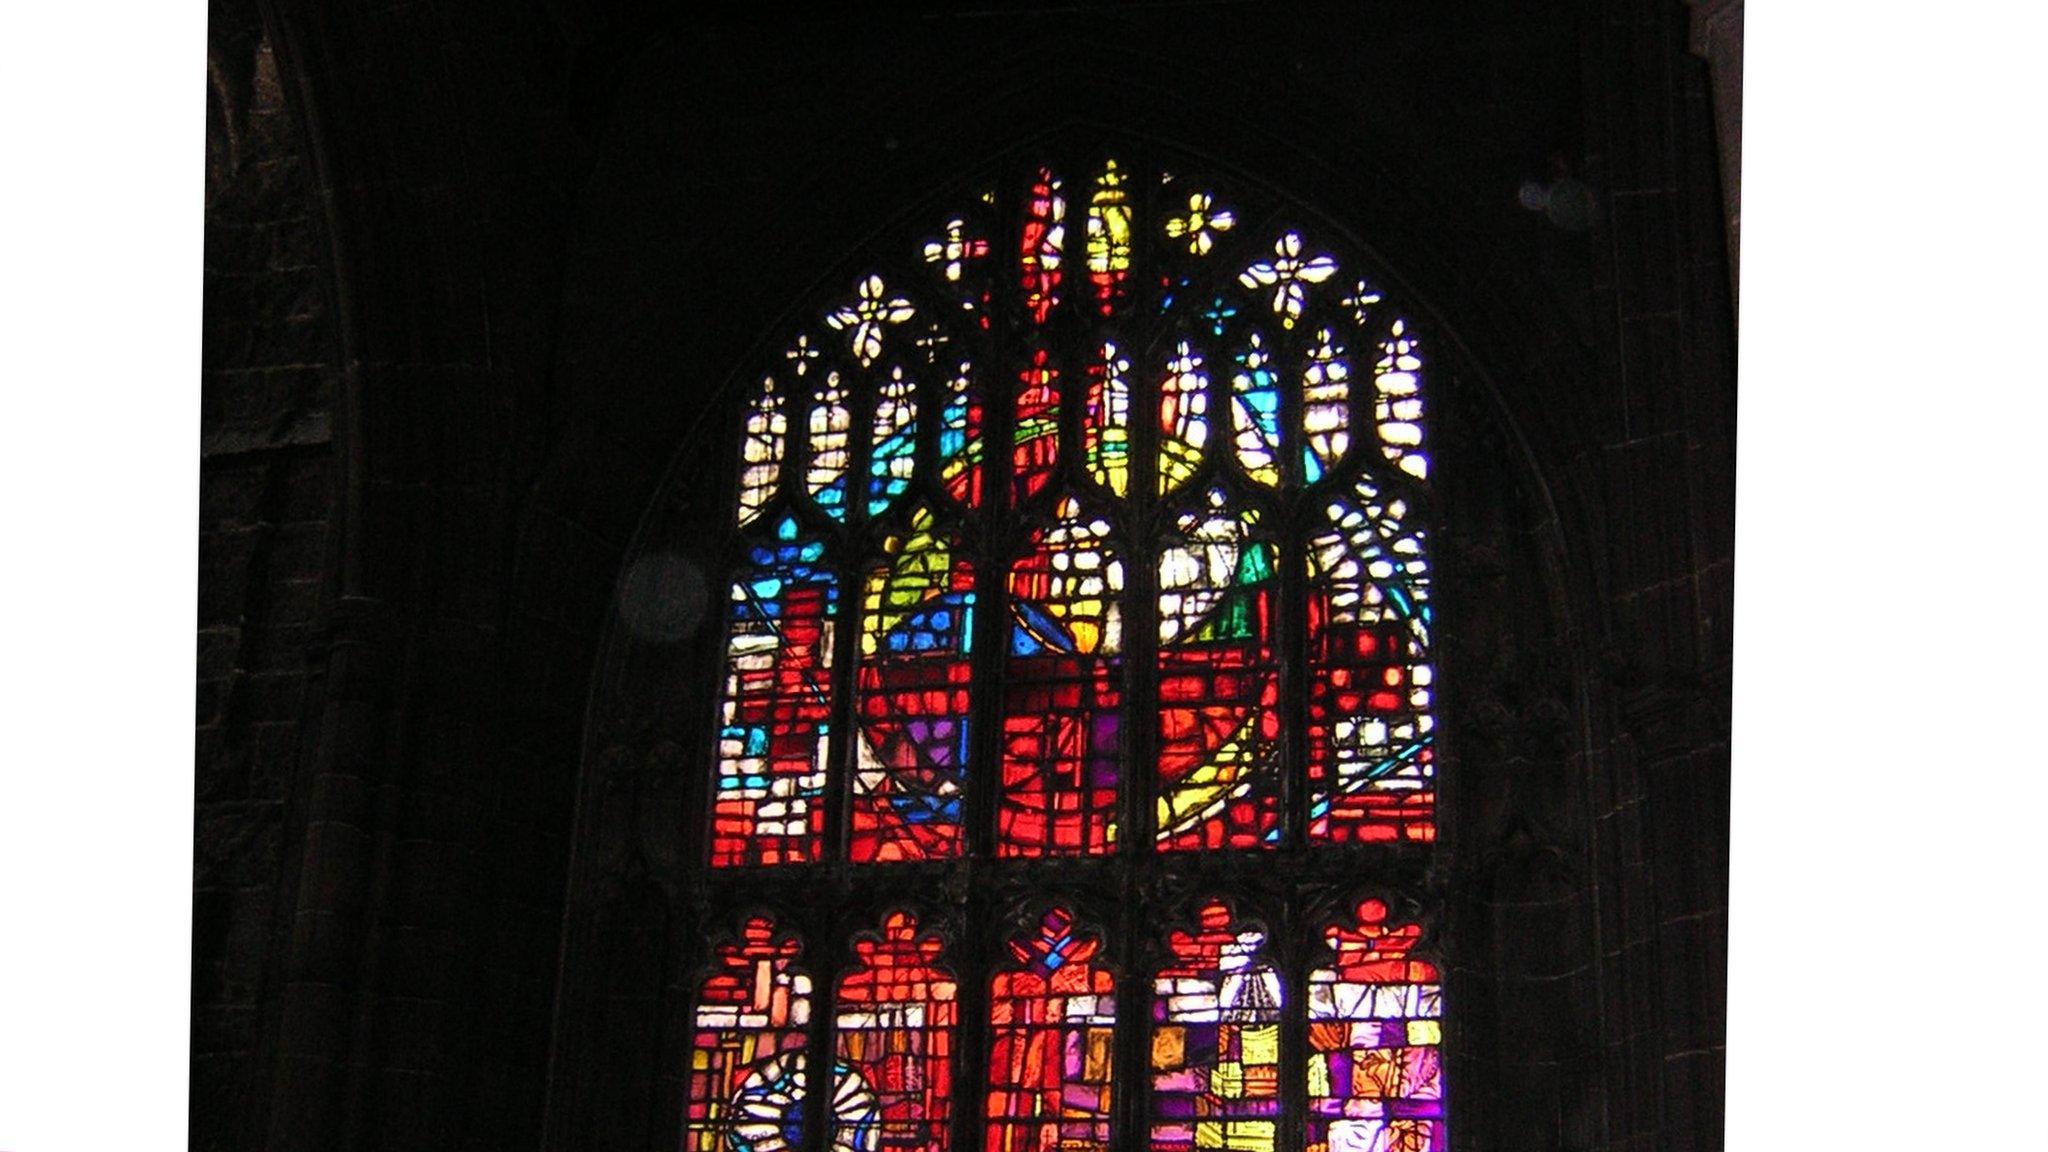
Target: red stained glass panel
[[1052, 1022], [747, 1046], [917, 626], [1062, 733], [897, 1011]]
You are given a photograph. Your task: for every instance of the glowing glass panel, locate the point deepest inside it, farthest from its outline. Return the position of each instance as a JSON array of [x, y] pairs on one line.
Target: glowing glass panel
[[1045, 233], [893, 460], [1062, 697], [960, 438], [831, 425], [1288, 274], [868, 317], [1109, 238], [917, 627], [747, 1046], [1325, 407], [1255, 413], [1035, 443], [1052, 1023], [1106, 426], [1215, 1050], [1201, 225], [775, 712], [1219, 685], [894, 1040], [1375, 1080], [1371, 766], [1183, 418], [763, 439], [1397, 401]]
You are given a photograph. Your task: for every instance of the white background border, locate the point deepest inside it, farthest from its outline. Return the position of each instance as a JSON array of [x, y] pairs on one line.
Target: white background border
[[1885, 986]]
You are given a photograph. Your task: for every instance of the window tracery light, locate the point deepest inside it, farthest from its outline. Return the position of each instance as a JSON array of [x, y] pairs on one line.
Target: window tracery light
[[1375, 1081], [1063, 729], [746, 1075]]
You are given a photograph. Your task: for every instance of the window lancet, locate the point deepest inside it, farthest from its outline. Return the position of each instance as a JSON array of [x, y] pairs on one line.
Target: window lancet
[[1063, 745], [1052, 1023], [894, 1043], [774, 723], [1218, 684], [1374, 1079], [917, 633], [746, 1079], [1216, 1039]]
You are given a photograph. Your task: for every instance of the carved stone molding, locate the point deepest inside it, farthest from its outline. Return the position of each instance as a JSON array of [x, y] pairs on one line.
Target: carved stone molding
[[1717, 38]]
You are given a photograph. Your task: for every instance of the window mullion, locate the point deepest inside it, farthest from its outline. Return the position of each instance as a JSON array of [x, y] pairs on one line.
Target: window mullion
[[827, 956], [975, 957], [1291, 951]]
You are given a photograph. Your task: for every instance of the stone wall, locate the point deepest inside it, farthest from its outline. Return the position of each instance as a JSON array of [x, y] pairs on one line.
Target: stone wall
[[267, 480]]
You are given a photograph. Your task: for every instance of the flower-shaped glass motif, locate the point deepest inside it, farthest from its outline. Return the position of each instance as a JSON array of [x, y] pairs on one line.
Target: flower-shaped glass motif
[[1201, 224], [801, 354], [952, 251], [1285, 274], [1360, 301], [866, 317]]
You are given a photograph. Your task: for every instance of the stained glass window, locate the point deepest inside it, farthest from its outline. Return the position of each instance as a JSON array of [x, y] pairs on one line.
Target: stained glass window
[[890, 463], [1183, 418], [960, 437], [1052, 1033], [1374, 1079], [1218, 684], [894, 1041], [1076, 557], [830, 429], [1036, 451], [1216, 1038], [1371, 737]]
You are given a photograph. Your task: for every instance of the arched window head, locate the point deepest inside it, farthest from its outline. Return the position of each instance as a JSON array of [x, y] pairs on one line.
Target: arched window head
[[1132, 525]]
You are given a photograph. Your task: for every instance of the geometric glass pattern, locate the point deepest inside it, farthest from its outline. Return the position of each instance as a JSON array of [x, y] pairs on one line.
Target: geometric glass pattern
[[917, 627], [775, 716], [1180, 389], [1077, 565], [1219, 718], [1062, 698], [1371, 754], [1035, 457]]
